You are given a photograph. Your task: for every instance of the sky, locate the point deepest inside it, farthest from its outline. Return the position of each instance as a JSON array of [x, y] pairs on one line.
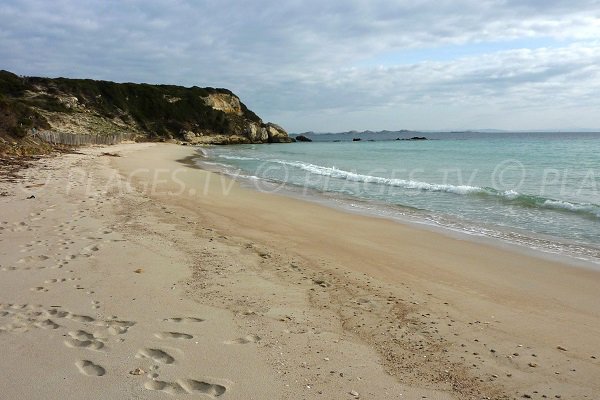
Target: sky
[[328, 66]]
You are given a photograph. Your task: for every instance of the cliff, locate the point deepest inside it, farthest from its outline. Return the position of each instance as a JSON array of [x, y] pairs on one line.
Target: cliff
[[144, 111]]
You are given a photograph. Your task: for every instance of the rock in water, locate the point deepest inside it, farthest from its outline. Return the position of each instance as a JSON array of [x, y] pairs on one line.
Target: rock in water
[[302, 138]]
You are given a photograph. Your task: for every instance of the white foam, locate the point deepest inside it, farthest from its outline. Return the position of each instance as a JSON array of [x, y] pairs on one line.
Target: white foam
[[511, 194], [238, 158], [408, 184], [565, 205]]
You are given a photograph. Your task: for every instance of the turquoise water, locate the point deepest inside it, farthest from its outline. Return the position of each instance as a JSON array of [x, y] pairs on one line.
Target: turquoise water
[[540, 190]]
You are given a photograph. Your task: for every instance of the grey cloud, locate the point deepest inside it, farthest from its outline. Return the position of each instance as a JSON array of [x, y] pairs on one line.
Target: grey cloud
[[304, 55], [549, 79]]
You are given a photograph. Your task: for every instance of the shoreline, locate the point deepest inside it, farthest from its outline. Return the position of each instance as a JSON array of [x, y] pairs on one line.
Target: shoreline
[[284, 298], [339, 202]]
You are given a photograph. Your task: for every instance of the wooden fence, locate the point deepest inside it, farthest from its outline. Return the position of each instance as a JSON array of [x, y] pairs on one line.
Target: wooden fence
[[74, 139]]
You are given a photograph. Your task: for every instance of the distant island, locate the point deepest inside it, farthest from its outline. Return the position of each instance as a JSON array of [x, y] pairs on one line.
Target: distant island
[[358, 136], [30, 105]]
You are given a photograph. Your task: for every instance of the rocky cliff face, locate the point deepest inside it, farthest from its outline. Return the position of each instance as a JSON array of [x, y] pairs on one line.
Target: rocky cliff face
[[196, 115], [228, 103], [254, 132]]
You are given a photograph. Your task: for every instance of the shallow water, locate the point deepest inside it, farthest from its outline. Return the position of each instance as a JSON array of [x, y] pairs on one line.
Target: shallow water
[[538, 189]]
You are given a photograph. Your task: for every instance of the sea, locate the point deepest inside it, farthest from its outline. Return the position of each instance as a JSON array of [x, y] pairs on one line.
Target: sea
[[540, 190]]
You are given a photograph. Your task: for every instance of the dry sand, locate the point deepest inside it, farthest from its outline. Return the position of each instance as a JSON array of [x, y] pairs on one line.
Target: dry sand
[[140, 277]]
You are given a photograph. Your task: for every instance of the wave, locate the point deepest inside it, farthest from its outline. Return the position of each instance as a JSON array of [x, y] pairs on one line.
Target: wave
[[575, 207], [510, 196], [215, 164], [407, 184], [239, 158]]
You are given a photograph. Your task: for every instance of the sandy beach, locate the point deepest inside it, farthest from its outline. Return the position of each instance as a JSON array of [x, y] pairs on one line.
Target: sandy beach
[[131, 274]]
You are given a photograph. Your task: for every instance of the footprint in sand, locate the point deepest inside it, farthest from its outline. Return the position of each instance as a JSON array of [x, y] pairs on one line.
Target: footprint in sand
[[183, 319], [84, 340], [116, 327], [57, 313], [39, 289], [173, 335], [88, 368], [15, 327], [187, 386], [47, 324], [117, 330], [59, 280], [156, 355], [89, 250], [244, 340], [79, 318]]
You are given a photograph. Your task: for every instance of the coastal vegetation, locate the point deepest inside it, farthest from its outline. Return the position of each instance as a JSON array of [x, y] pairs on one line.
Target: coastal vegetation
[[150, 112]]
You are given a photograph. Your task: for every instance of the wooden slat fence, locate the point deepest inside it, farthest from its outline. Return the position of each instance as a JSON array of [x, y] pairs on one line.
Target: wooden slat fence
[[74, 139]]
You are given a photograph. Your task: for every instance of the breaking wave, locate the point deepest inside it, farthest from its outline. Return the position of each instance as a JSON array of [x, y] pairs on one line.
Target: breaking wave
[[510, 197]]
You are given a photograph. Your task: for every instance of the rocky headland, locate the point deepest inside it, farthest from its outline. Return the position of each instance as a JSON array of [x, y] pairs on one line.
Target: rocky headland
[[140, 112]]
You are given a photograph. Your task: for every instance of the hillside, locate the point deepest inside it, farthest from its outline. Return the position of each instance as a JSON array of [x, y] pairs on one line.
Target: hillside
[[143, 111]]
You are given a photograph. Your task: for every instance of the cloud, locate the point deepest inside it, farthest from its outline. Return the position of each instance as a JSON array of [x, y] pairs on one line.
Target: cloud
[[543, 86], [482, 76], [297, 58]]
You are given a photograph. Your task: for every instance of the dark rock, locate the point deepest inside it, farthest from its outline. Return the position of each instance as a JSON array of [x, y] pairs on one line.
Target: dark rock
[[302, 138], [414, 138]]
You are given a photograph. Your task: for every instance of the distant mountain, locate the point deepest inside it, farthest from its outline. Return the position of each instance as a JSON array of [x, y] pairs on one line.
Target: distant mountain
[[404, 132]]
